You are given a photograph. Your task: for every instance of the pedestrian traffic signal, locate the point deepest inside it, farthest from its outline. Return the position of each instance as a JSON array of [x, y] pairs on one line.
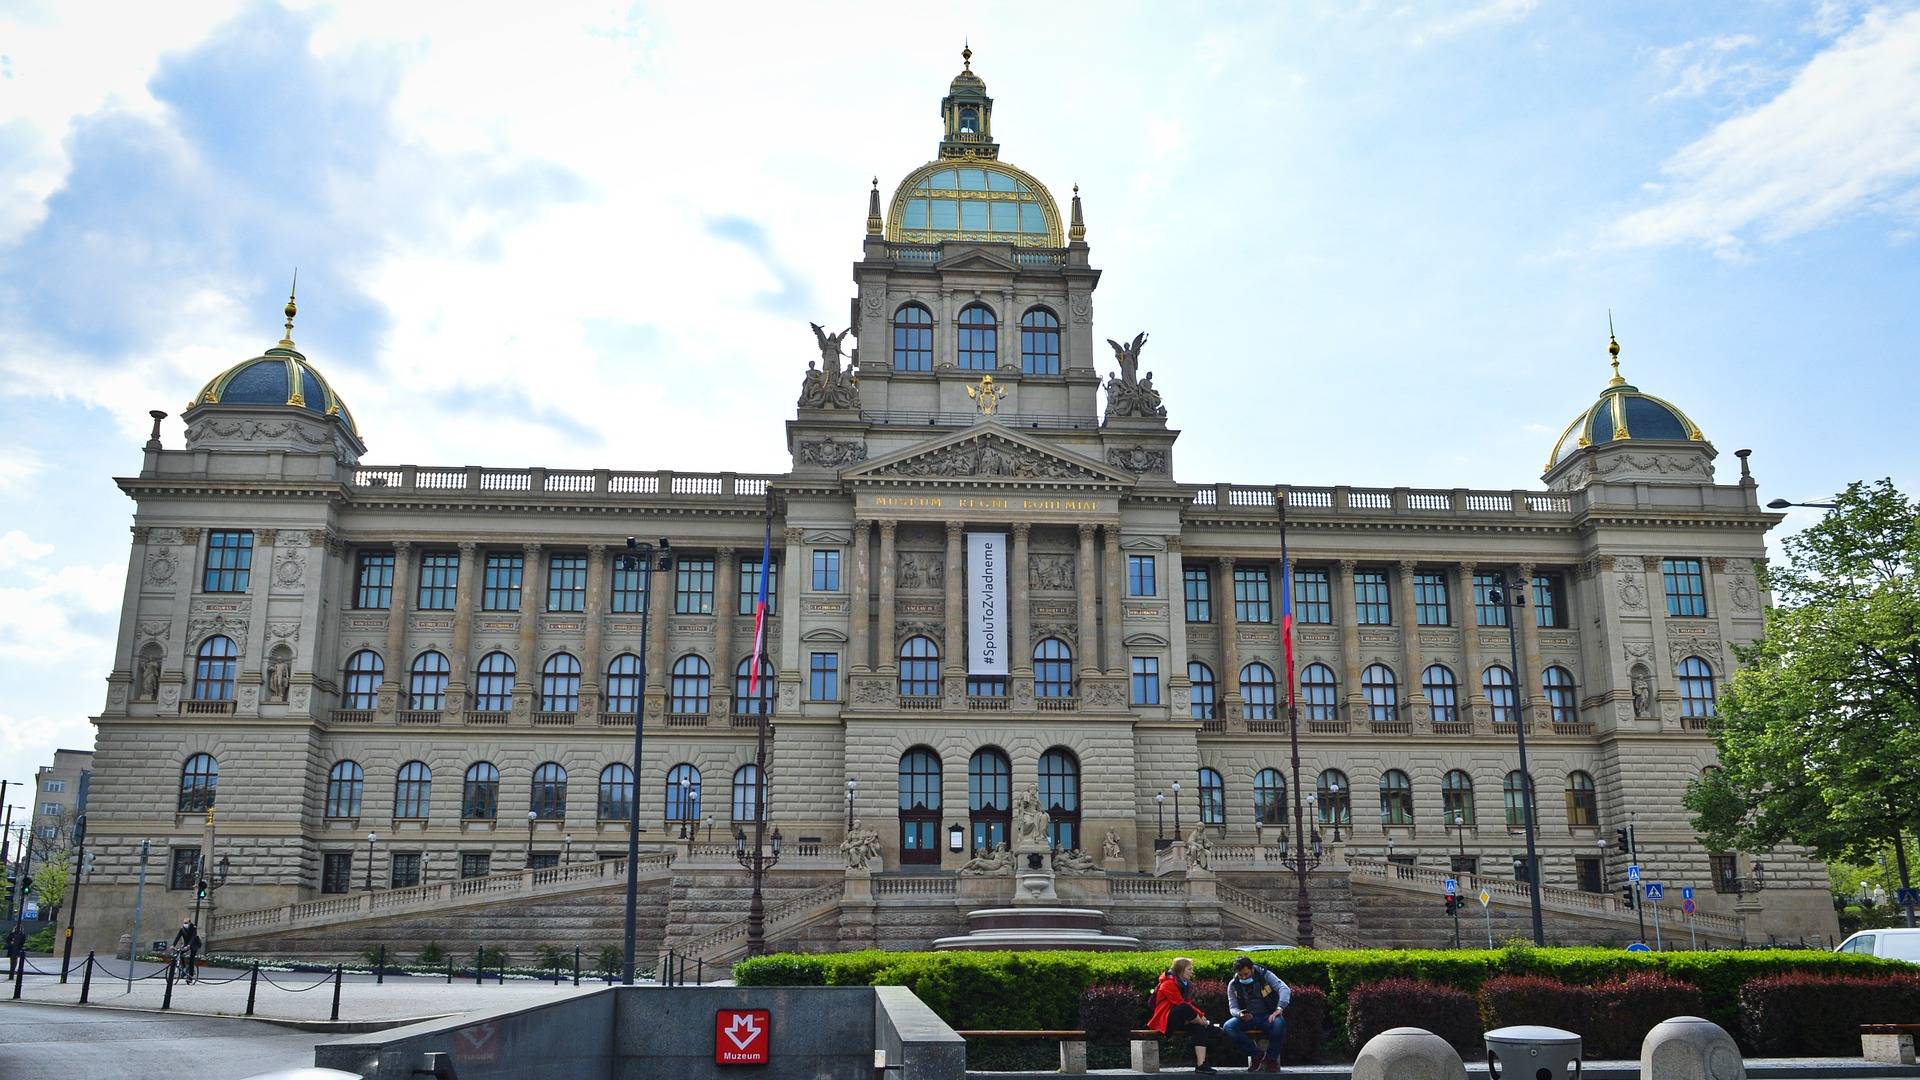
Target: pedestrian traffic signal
[[1627, 895], [200, 891], [1620, 839], [1453, 904]]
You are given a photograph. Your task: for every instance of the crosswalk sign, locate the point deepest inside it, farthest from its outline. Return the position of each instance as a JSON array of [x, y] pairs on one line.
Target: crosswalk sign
[[1633, 871], [1453, 886], [1655, 890], [1485, 898], [1907, 897], [1686, 892]]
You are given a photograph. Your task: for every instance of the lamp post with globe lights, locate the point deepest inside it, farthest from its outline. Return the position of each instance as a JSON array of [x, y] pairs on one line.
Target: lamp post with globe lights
[[641, 560]]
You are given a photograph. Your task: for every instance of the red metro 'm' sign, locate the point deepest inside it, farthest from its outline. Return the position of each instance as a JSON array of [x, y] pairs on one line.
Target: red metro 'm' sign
[[740, 1037]]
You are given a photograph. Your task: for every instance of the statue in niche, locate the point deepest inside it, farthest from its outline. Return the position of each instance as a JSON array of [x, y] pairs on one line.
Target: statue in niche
[[1642, 691], [995, 860], [1029, 820], [1129, 394], [146, 683], [279, 675]]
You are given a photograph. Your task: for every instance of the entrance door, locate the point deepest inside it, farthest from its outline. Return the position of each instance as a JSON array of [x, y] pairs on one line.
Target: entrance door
[[919, 807]]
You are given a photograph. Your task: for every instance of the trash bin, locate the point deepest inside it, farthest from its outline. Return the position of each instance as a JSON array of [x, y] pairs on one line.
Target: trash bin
[[1530, 1052]]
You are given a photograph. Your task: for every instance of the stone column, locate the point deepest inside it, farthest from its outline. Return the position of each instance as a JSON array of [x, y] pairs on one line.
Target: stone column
[[397, 626], [527, 685], [1089, 644], [1116, 611], [460, 663], [1348, 617], [1017, 582], [726, 602], [887, 657], [859, 618], [591, 664], [954, 651], [1416, 695], [1471, 694], [1529, 679], [1227, 616], [659, 600]]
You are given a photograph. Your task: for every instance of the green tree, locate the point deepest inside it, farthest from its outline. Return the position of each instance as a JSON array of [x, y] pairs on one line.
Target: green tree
[[1819, 731], [50, 885]]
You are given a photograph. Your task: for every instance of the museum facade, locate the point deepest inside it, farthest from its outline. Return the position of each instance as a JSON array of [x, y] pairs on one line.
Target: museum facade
[[985, 578]]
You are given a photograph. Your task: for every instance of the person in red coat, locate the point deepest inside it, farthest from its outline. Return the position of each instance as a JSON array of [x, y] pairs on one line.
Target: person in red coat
[[1174, 1012]]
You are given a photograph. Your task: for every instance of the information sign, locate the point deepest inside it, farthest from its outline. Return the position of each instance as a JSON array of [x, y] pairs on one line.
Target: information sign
[[1656, 891], [1453, 886], [740, 1036], [1686, 892], [1633, 871]]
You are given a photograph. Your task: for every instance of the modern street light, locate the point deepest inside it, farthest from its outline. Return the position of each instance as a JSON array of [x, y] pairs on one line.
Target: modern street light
[[532, 816], [709, 828], [1514, 599], [6, 839], [1600, 851], [1782, 504], [1459, 826], [642, 559], [370, 841], [566, 848]]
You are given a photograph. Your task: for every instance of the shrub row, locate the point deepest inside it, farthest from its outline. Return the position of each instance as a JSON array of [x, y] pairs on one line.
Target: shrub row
[[1819, 1015]]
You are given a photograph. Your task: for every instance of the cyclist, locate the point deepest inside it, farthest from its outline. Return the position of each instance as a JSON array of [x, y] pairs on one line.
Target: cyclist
[[186, 941]]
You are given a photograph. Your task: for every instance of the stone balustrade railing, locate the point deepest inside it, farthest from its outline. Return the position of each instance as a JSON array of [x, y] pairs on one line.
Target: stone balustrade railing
[[716, 944], [1151, 888], [480, 480], [915, 885], [1375, 501]]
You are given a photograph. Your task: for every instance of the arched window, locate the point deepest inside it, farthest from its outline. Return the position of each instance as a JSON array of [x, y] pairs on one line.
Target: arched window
[[912, 338], [344, 783], [616, 793], [919, 806], [747, 701], [1052, 669], [683, 793], [1497, 684], [560, 684], [746, 792], [549, 799], [1696, 688], [1257, 691], [979, 338], [1442, 693], [623, 685], [427, 682], [1200, 698], [989, 797], [1396, 798], [1518, 793], [1558, 684], [1060, 794], [493, 689], [1039, 342], [1335, 798], [1270, 797], [365, 672], [412, 786], [213, 669], [480, 794], [919, 667], [1583, 802], [1317, 693], [1213, 798], [1456, 798], [199, 778], [692, 690], [1383, 695]]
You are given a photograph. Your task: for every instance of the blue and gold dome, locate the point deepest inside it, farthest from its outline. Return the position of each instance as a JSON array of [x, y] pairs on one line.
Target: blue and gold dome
[[280, 376], [1623, 414]]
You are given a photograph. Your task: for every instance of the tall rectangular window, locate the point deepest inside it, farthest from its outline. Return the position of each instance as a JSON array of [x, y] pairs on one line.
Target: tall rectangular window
[[476, 864], [501, 589], [439, 580], [1372, 604], [1146, 680], [823, 677], [1312, 597], [1199, 587], [1430, 607], [629, 587], [693, 587], [826, 570], [375, 580], [1486, 611], [229, 562], [1549, 601], [405, 869], [1252, 594], [1686, 587], [1140, 576], [567, 583], [750, 586], [336, 872]]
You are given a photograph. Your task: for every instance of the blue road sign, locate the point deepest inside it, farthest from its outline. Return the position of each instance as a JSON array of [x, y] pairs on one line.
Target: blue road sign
[[1656, 891], [1633, 871], [1639, 946], [1906, 897], [1687, 905], [1686, 892], [1453, 886]]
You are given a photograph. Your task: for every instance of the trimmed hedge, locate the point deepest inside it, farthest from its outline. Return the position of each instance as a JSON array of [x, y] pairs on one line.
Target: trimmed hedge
[[1613, 1017], [1820, 1015], [1444, 1010]]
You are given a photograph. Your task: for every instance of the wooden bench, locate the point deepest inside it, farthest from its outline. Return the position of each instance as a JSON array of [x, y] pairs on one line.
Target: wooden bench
[[1889, 1043], [1142, 1043]]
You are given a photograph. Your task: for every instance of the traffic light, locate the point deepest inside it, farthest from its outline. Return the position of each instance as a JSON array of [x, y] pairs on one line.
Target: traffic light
[[1620, 839], [200, 890], [1626, 896], [1453, 905]]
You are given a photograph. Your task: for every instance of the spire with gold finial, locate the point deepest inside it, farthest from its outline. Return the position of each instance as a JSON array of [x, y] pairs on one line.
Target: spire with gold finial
[[292, 309], [1613, 350], [874, 224], [966, 54], [1077, 228]]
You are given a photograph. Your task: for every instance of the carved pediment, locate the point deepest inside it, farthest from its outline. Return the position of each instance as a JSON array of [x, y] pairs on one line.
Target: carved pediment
[[824, 635], [988, 451], [976, 259]]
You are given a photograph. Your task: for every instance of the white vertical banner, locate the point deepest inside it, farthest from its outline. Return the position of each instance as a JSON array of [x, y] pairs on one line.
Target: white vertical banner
[[987, 635]]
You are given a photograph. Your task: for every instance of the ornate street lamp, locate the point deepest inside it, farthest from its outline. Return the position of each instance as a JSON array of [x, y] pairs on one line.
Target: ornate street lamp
[[757, 862], [1177, 834], [852, 786], [1160, 819], [1514, 598], [371, 838], [641, 559], [532, 816]]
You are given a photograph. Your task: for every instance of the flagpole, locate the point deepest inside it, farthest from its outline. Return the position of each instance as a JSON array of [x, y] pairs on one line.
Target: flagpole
[[1302, 906], [760, 863]]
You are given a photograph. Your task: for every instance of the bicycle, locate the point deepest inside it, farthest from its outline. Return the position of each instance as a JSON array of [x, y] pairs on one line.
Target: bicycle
[[183, 963]]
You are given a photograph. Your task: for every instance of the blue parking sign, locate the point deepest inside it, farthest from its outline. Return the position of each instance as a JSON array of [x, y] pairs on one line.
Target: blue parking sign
[[1686, 892], [1656, 891], [1633, 871]]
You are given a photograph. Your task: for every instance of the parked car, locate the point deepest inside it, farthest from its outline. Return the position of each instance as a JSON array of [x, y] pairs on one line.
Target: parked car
[[1261, 948], [1894, 944]]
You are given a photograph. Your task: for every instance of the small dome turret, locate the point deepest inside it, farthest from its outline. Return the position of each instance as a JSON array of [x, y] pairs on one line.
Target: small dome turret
[[1624, 413], [279, 381]]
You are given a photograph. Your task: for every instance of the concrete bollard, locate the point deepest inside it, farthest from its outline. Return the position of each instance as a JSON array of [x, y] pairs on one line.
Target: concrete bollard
[[1408, 1053], [1689, 1048], [1531, 1051], [1888, 1044], [1073, 1055], [1146, 1055]]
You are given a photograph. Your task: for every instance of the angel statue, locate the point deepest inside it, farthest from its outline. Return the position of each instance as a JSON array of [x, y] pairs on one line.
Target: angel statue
[[1129, 357], [1127, 393], [829, 350]]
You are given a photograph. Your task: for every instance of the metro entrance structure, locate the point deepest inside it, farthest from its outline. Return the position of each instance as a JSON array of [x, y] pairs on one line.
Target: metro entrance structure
[[425, 677]]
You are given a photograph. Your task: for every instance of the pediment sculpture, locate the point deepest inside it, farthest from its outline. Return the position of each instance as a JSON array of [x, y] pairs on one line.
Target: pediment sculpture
[[987, 457]]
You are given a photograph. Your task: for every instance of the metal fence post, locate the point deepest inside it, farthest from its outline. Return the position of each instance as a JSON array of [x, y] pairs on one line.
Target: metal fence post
[[86, 978], [336, 991], [479, 967], [449, 971], [379, 965], [167, 1001], [19, 976], [253, 986], [576, 965]]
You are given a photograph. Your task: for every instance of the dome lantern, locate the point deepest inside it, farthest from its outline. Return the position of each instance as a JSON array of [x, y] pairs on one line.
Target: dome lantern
[[1666, 445]]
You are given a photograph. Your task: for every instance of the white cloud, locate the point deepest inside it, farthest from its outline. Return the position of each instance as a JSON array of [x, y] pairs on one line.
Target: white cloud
[[1487, 13], [1843, 138], [17, 547], [1721, 64], [42, 610], [19, 464]]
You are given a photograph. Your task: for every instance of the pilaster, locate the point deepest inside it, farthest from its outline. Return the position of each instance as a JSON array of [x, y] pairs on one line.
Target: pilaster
[[1228, 616], [1410, 641], [889, 656], [1113, 614], [1344, 611], [954, 652], [859, 624], [1089, 645], [1472, 695], [402, 603], [592, 665], [526, 683], [1022, 657], [726, 605], [1529, 680]]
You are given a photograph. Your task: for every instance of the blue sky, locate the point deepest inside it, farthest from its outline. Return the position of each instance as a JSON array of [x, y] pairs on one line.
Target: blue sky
[[1374, 243]]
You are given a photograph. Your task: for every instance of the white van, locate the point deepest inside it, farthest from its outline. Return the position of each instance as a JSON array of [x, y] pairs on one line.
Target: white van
[[1900, 944]]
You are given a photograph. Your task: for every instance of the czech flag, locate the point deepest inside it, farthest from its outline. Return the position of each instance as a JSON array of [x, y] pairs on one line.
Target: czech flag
[[1286, 612], [760, 612]]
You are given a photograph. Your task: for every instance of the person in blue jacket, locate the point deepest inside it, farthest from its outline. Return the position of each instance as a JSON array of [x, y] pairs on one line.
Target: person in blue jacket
[[1257, 1001]]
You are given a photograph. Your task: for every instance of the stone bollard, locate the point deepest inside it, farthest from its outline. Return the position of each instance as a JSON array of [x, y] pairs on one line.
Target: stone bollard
[[1073, 1055], [1887, 1043], [1408, 1053], [1146, 1055], [1689, 1048]]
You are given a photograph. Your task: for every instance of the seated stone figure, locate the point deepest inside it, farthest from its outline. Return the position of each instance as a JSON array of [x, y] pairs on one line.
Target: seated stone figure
[[995, 860]]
